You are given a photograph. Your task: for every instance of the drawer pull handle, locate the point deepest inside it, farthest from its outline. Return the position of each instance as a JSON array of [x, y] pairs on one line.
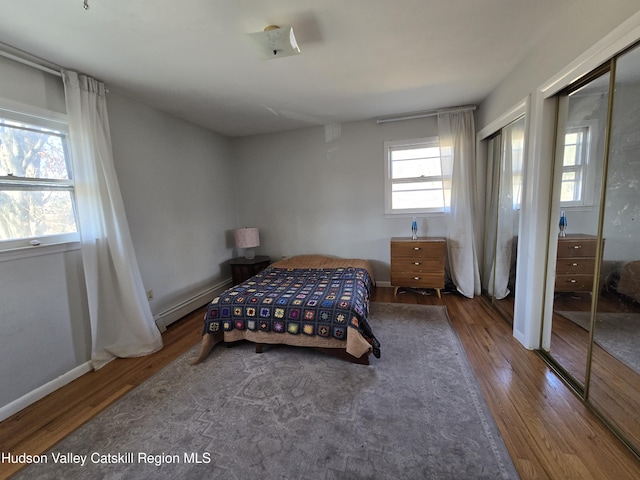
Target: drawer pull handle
[[574, 264], [416, 278], [573, 281], [416, 248], [416, 263], [577, 246]]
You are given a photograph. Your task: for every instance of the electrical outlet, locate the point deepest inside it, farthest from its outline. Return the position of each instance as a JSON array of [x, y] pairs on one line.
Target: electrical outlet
[[149, 294]]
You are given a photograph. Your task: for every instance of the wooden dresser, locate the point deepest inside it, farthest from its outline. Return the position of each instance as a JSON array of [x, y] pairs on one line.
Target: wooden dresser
[[575, 263], [418, 263]]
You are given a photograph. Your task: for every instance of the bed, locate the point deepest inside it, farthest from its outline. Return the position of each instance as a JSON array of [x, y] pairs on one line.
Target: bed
[[629, 283], [312, 301]]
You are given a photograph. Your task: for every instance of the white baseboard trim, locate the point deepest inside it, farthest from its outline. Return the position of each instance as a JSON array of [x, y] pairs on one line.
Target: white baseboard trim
[[162, 320], [166, 318], [41, 392]]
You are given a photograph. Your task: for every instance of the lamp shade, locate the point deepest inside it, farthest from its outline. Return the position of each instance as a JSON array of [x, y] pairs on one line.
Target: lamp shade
[[248, 237]]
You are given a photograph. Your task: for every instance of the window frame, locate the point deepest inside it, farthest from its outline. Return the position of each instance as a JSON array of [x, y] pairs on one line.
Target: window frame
[[587, 168], [55, 122], [391, 145]]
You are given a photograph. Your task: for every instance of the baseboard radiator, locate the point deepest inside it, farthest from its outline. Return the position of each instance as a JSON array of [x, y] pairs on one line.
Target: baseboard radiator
[[176, 312]]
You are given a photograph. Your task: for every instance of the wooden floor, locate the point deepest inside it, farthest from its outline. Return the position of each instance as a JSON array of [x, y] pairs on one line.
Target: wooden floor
[[613, 386], [548, 431]]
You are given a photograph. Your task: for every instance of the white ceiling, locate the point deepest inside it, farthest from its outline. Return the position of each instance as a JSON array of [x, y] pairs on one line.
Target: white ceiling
[[360, 58]]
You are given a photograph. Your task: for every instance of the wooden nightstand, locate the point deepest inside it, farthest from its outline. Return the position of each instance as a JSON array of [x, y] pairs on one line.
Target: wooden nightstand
[[418, 263], [243, 268]]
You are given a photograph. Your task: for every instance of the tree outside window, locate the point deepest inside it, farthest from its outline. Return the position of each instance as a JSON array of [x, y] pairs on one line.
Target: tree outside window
[[36, 185]]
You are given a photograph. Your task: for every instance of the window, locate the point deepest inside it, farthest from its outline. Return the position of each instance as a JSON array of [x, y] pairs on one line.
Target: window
[[574, 165], [414, 177], [37, 203], [515, 156], [579, 164]]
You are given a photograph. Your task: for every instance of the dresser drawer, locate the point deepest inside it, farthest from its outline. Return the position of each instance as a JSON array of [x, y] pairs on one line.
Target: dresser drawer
[[417, 265], [418, 280], [574, 283], [575, 266], [571, 248], [417, 249]]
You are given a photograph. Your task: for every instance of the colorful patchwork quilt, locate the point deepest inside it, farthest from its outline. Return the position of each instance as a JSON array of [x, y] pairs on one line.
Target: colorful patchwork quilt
[[297, 301]]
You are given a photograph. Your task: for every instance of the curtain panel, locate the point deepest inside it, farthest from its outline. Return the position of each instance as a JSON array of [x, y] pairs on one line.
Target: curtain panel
[[503, 197], [121, 321], [492, 194], [508, 207], [456, 131]]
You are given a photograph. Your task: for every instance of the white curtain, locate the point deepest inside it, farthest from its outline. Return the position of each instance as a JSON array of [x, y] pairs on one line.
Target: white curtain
[[508, 207], [492, 193], [121, 321], [504, 187], [456, 132]]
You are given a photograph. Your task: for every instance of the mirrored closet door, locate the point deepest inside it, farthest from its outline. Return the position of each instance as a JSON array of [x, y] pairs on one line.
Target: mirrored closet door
[[592, 301], [579, 164], [614, 382], [505, 151]]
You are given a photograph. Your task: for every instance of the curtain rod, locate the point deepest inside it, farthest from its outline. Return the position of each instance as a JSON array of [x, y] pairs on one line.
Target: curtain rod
[[430, 113], [30, 60]]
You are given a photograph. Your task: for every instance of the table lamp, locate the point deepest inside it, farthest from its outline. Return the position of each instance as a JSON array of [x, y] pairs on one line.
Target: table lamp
[[247, 238]]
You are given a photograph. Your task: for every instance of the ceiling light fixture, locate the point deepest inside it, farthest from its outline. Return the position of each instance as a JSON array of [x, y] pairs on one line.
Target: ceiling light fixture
[[276, 42], [86, 4]]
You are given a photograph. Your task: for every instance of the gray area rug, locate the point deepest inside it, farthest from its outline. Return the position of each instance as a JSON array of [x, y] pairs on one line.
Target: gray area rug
[[617, 333], [292, 413]]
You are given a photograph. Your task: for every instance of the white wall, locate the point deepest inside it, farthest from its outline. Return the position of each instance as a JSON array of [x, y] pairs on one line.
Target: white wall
[[43, 314], [570, 35], [44, 329], [621, 228], [321, 190], [176, 182], [24, 84], [177, 186]]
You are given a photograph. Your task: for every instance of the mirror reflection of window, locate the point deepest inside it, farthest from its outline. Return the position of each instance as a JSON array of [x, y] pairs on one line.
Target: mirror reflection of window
[[517, 161], [575, 161], [582, 154]]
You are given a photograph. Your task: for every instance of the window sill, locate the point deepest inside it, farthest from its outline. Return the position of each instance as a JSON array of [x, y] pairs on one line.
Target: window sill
[[577, 208], [44, 249], [410, 215]]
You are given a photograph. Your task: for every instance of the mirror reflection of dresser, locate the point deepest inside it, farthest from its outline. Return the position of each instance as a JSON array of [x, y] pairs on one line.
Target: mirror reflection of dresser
[[591, 320], [575, 263]]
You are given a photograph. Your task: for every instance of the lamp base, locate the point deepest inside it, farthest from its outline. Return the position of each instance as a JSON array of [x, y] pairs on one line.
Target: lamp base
[[249, 254]]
